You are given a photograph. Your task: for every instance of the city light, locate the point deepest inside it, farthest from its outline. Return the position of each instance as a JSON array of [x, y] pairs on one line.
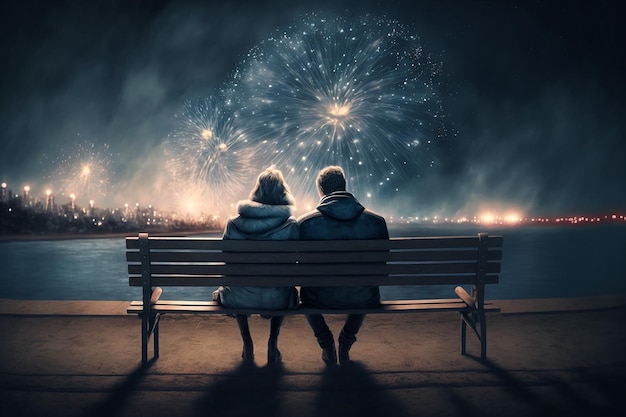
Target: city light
[[487, 218], [512, 219]]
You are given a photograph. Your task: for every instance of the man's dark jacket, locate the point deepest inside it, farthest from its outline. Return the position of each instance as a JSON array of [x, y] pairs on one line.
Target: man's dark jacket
[[340, 216]]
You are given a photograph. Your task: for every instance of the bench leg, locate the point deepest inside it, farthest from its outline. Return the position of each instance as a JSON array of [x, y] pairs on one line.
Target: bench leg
[[156, 337], [149, 327], [483, 335], [145, 335], [475, 320], [463, 335]]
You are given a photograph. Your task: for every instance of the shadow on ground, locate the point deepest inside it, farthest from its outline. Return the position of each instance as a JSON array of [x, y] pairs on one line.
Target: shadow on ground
[[352, 391], [120, 395], [337, 391]]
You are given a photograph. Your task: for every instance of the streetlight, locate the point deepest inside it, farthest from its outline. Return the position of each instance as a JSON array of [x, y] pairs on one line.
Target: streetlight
[[49, 200], [25, 196]]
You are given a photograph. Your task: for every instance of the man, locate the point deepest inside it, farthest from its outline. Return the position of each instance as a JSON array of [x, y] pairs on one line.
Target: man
[[339, 216]]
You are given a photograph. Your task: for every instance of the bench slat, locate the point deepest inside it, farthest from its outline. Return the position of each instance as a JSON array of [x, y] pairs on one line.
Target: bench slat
[[273, 281], [395, 306], [314, 257], [190, 243], [295, 270], [191, 303]]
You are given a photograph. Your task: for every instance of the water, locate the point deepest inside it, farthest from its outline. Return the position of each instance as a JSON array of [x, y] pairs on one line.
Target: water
[[538, 262]]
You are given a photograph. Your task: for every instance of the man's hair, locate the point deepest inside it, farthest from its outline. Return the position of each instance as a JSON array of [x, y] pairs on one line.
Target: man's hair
[[271, 188], [331, 179]]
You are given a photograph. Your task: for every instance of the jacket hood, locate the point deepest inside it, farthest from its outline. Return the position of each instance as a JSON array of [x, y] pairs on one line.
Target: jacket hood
[[340, 205], [254, 210], [257, 219]]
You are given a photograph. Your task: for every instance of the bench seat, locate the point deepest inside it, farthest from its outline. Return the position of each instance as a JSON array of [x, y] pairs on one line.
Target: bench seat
[[386, 306]]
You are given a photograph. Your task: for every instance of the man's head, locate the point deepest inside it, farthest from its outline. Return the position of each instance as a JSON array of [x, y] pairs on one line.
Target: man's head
[[331, 179]]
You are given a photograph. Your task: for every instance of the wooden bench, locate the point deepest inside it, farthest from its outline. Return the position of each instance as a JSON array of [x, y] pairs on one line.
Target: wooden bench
[[470, 261]]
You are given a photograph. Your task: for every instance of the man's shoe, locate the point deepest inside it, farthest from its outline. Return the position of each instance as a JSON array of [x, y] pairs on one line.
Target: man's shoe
[[248, 352], [329, 355], [344, 356]]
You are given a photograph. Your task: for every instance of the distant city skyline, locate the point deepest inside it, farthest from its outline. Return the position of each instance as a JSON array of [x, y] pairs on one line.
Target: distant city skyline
[[532, 99], [149, 211]]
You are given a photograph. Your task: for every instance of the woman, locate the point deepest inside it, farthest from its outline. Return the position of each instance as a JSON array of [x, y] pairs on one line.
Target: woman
[[267, 215]]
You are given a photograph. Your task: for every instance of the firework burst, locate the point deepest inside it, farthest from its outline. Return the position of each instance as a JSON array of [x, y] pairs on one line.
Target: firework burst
[[83, 172], [209, 153], [356, 93]]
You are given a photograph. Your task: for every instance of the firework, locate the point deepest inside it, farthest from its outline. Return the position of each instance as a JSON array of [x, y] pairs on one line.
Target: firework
[[356, 93], [83, 172], [209, 153]]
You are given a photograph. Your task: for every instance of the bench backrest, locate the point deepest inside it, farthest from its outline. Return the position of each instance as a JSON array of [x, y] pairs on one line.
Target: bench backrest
[[195, 261]]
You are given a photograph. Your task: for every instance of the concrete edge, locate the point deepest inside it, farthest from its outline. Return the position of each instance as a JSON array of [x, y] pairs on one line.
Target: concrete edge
[[62, 307], [561, 305], [9, 307]]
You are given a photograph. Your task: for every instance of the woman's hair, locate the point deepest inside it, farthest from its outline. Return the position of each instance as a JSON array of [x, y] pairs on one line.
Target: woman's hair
[[331, 179], [271, 188]]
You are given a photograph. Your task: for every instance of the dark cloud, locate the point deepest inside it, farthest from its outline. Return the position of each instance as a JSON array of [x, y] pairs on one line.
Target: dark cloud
[[533, 92]]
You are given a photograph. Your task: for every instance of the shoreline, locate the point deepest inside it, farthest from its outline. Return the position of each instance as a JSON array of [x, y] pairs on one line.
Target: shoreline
[[112, 235], [393, 227]]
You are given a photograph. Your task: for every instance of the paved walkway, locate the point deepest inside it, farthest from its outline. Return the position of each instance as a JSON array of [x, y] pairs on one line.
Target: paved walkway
[[546, 358]]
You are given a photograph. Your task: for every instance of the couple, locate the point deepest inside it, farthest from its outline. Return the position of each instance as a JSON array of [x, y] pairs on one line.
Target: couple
[[267, 215]]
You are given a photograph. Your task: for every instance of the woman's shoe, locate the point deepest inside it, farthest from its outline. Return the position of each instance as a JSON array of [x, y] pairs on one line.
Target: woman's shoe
[[274, 356]]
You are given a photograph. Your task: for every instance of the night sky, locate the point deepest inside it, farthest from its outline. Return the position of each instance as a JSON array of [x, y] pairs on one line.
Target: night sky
[[533, 92]]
